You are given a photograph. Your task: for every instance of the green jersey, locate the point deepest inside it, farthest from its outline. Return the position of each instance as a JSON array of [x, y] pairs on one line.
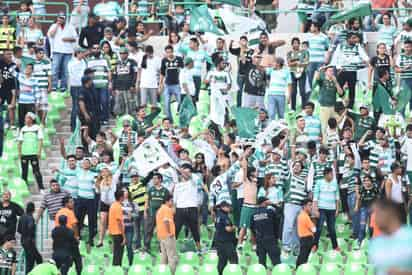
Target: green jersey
[[101, 68], [156, 197], [45, 269], [30, 136], [7, 260]]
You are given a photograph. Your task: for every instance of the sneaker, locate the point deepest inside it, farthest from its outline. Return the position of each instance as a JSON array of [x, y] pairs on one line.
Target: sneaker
[[314, 248], [337, 249]]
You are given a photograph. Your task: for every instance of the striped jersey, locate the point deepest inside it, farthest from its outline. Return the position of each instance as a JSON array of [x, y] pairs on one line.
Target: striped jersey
[[219, 188], [318, 169], [349, 57], [7, 38], [278, 81], [29, 89], [258, 156], [53, 201], [7, 259], [77, 3], [382, 158], [279, 170], [200, 57], [85, 180], [332, 141], [404, 61], [318, 46], [386, 34], [68, 181], [273, 193], [313, 128], [101, 74], [138, 194], [42, 72], [349, 179], [296, 191], [326, 194]]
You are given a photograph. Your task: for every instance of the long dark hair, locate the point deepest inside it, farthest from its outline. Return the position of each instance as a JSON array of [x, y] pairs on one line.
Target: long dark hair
[[110, 48]]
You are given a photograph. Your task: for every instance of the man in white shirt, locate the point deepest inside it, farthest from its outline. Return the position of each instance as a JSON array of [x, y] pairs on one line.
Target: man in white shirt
[[185, 198], [187, 84], [76, 67], [62, 38], [149, 73]]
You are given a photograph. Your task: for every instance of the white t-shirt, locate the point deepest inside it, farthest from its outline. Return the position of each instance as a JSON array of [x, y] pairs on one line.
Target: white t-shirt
[[76, 69], [57, 44], [186, 77], [219, 80], [186, 193], [149, 77]]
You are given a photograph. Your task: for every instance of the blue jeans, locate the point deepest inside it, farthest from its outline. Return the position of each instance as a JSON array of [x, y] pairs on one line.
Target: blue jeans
[[276, 105], [138, 222], [74, 91], [408, 83], [59, 68], [170, 91], [241, 79], [290, 239], [354, 215], [129, 232], [329, 216], [311, 69], [364, 214], [104, 103]]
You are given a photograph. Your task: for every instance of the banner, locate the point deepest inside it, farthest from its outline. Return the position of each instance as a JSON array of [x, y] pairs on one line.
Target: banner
[[75, 139], [273, 129], [360, 10], [186, 112], [217, 108], [245, 121], [150, 155], [202, 21]]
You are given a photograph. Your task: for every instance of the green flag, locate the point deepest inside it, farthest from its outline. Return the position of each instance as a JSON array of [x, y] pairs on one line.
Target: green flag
[[202, 21], [382, 101], [75, 139], [186, 112], [403, 98], [245, 121], [360, 10], [230, 2]]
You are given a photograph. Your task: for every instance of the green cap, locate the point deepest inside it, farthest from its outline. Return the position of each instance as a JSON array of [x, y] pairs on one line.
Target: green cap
[[409, 22], [123, 50], [188, 60]]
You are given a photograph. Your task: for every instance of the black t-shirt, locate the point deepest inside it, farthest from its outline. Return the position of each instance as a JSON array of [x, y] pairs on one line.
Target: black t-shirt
[[89, 97], [170, 70], [264, 224], [378, 62], [8, 218], [8, 80], [248, 56], [255, 82], [223, 220]]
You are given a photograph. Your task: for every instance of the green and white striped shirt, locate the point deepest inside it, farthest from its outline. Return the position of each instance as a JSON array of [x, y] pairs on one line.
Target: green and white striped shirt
[[349, 57], [318, 46], [296, 191], [313, 127], [42, 72], [279, 81], [404, 61], [279, 170], [101, 74], [326, 194]]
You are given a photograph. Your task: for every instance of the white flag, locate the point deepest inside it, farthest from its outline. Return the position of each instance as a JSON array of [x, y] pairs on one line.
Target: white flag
[[150, 155], [218, 104]]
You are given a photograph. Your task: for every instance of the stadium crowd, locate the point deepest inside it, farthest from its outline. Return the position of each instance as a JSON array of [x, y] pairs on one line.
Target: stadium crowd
[[323, 149]]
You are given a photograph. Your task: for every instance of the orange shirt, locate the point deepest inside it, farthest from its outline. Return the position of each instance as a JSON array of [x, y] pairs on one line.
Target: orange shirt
[[71, 218], [115, 216], [165, 213], [305, 225], [376, 232]]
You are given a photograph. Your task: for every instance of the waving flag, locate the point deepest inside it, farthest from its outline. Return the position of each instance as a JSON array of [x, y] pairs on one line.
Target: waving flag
[[245, 121], [361, 10], [202, 21]]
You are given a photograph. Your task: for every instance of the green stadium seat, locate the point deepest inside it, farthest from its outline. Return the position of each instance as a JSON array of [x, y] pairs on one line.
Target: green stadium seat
[[143, 259], [137, 269], [329, 269], [185, 269], [332, 256], [314, 258], [306, 269], [343, 231], [72, 271], [111, 270], [256, 269], [210, 258], [371, 270], [354, 269], [232, 269], [343, 244], [254, 259], [282, 269], [357, 257], [190, 258], [161, 269], [91, 270], [208, 269]]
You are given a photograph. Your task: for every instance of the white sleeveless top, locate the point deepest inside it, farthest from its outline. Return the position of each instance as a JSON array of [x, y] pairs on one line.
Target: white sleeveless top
[[396, 194]]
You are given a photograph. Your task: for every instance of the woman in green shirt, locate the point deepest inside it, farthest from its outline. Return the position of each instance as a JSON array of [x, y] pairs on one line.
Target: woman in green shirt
[[108, 53]]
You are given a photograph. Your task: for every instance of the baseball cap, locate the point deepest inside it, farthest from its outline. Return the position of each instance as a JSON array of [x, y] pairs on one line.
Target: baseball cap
[[188, 60], [123, 50], [133, 173]]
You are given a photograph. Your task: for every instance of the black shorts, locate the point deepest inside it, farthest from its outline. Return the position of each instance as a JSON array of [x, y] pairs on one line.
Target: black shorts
[[104, 207], [6, 96]]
